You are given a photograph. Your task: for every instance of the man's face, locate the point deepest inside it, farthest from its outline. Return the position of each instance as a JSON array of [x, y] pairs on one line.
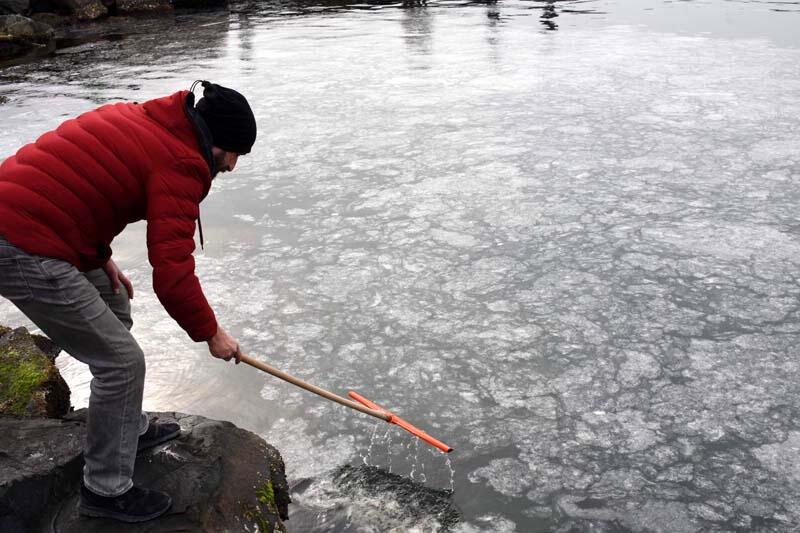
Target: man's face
[[224, 161]]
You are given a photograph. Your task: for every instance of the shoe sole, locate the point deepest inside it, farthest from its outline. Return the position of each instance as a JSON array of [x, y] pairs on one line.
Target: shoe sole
[[162, 440], [96, 512]]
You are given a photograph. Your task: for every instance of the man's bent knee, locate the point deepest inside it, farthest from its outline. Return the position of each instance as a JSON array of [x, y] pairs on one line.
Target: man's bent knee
[[123, 368]]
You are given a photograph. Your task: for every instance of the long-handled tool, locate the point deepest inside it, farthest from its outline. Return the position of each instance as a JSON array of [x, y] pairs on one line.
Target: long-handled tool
[[365, 406]]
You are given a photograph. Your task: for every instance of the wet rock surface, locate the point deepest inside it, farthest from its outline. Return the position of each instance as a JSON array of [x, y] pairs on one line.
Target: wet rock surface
[[415, 500], [221, 478], [40, 465]]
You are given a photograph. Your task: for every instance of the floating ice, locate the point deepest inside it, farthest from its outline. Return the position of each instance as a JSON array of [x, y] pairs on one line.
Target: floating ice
[[509, 477]]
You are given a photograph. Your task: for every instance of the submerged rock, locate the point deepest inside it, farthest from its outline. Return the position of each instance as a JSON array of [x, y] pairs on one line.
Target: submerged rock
[[30, 384], [22, 36], [413, 504], [220, 477]]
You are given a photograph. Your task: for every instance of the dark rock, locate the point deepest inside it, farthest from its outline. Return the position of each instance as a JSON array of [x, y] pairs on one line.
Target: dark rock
[[220, 477], [79, 9], [30, 384], [40, 461], [85, 9], [14, 7], [20, 36], [143, 6]]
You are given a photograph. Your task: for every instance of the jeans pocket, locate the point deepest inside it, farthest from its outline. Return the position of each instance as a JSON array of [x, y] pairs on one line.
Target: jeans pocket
[[54, 269], [13, 283], [54, 281]]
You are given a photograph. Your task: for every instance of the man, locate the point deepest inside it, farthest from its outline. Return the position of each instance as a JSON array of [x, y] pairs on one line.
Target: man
[[62, 201]]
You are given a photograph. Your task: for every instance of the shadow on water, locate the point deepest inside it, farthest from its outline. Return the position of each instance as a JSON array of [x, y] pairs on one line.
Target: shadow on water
[[551, 10], [303, 7], [417, 28]]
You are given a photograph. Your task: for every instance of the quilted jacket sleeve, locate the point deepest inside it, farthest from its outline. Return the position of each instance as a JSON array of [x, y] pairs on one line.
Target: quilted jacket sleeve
[[173, 205]]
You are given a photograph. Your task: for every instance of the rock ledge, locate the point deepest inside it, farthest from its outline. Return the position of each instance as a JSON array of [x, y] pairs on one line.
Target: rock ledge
[[220, 477]]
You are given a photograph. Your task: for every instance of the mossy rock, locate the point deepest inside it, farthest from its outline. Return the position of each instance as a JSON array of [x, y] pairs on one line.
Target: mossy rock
[[30, 384], [262, 514]]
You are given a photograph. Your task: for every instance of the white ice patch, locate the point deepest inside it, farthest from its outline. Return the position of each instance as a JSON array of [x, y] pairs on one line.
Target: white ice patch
[[733, 242], [637, 366], [509, 477], [781, 457], [461, 240], [776, 150], [484, 523]]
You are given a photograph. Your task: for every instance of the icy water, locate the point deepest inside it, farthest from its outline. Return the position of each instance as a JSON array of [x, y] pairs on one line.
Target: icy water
[[562, 237]]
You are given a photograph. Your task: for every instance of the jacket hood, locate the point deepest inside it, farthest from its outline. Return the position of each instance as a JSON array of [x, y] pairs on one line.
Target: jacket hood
[[176, 114]]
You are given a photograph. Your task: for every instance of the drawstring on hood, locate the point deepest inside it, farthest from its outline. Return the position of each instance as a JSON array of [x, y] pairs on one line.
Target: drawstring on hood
[[205, 141], [200, 226]]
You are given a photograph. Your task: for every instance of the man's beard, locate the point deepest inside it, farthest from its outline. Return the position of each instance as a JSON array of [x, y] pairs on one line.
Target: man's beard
[[219, 162]]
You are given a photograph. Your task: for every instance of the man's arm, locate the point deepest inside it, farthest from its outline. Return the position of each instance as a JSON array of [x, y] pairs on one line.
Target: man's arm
[[173, 199]]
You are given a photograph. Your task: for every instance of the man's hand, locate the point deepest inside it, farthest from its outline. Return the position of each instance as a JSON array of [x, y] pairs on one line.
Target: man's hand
[[223, 346], [116, 277]]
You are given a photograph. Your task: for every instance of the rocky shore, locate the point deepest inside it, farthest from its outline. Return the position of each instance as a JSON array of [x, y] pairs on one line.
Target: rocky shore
[[31, 28], [220, 477]]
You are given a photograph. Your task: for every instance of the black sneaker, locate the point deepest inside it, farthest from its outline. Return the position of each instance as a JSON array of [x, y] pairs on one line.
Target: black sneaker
[[157, 433], [136, 505]]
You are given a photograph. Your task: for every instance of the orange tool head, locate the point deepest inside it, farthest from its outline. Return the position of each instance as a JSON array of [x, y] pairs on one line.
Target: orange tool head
[[402, 423]]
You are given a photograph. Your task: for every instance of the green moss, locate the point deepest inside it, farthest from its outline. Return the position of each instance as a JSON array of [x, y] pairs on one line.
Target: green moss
[[265, 494], [23, 368]]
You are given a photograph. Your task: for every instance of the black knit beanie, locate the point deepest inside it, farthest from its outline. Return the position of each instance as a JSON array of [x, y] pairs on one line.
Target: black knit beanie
[[229, 117]]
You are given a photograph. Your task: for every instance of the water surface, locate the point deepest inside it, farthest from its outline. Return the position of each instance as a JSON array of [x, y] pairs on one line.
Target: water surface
[[560, 236]]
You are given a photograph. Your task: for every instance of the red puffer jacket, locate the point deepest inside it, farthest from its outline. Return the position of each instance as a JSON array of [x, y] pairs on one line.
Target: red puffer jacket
[[71, 192]]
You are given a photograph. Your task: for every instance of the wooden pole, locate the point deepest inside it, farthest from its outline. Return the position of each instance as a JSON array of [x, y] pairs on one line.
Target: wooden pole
[[386, 417]]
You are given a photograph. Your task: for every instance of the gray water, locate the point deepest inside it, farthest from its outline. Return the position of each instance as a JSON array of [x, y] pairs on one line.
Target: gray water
[[560, 236]]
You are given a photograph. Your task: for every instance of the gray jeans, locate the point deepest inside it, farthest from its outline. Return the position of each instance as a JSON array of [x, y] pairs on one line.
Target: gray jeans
[[81, 314]]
